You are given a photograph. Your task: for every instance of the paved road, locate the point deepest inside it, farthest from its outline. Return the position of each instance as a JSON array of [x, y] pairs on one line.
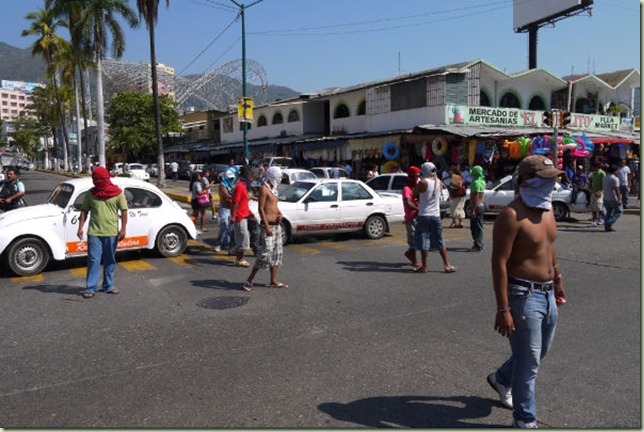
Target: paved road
[[358, 340]]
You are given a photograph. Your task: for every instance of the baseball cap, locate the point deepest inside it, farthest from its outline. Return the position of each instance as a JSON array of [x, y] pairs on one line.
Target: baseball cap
[[230, 174], [538, 165], [413, 170]]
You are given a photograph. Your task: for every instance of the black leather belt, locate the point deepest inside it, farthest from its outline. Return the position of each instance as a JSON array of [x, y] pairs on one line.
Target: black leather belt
[[541, 286]]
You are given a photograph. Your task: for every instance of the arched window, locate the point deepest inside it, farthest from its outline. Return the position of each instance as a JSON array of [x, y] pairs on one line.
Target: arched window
[[261, 121], [277, 118], [293, 116], [537, 103], [341, 111], [484, 99], [362, 108], [509, 100]]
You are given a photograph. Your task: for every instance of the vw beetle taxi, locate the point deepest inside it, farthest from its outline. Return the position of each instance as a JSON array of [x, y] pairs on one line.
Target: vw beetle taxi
[[31, 236]]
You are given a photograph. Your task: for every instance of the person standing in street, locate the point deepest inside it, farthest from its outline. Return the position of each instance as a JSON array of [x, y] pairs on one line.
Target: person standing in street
[[597, 195], [410, 207], [477, 207], [208, 184], [373, 173], [429, 230], [174, 169], [12, 191], [270, 253], [224, 239], [528, 286], [102, 204], [239, 213], [347, 168], [624, 176], [457, 194], [612, 198]]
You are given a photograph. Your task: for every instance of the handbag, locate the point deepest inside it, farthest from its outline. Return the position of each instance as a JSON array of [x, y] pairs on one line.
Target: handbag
[[202, 199]]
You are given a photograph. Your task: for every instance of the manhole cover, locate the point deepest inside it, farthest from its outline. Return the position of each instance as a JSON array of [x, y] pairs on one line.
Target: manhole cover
[[222, 302]]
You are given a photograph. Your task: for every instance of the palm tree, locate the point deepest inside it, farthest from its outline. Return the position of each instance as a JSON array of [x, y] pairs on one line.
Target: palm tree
[[99, 19], [44, 24], [46, 111], [149, 10]]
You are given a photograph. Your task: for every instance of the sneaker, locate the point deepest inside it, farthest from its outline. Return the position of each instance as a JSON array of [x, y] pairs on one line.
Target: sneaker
[[505, 393], [217, 248], [592, 224], [524, 425]]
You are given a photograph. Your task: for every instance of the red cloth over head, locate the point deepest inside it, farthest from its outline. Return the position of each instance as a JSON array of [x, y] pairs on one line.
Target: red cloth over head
[[103, 186], [412, 176]]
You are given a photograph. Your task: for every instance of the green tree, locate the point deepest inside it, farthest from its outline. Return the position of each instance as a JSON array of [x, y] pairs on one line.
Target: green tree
[[28, 135], [99, 20], [149, 10], [132, 127], [45, 109]]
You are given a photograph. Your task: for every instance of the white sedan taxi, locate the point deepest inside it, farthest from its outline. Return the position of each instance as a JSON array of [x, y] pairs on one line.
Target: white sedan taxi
[[324, 206], [31, 236]]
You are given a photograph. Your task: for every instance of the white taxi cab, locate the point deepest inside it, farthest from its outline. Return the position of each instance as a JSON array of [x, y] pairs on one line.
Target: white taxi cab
[[31, 236]]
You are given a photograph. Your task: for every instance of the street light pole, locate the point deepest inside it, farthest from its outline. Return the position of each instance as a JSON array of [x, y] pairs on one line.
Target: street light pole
[[242, 9]]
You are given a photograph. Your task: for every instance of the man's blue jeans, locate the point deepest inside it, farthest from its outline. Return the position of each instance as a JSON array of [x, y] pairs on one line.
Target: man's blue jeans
[[613, 212], [476, 226], [225, 228], [535, 320], [100, 248], [623, 190]]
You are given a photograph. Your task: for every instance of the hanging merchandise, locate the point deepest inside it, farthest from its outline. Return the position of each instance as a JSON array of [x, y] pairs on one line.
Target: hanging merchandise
[[471, 151], [439, 146], [429, 154], [514, 148], [525, 145], [539, 146], [568, 143], [390, 167], [390, 151]]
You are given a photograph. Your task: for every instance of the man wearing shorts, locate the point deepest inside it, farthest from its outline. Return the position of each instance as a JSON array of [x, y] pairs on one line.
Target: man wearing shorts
[[429, 230], [270, 244], [597, 194]]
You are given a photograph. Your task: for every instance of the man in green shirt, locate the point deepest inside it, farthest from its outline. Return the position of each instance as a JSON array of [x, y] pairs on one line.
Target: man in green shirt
[[477, 207], [102, 203], [597, 194]]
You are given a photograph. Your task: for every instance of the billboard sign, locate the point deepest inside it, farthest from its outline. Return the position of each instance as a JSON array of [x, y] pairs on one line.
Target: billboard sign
[[540, 11]]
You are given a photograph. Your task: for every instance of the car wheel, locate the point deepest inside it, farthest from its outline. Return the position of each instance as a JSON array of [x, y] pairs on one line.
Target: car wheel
[[286, 233], [27, 256], [375, 227], [171, 241], [560, 211]]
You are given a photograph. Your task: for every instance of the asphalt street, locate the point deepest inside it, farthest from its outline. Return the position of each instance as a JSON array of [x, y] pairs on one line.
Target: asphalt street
[[357, 340]]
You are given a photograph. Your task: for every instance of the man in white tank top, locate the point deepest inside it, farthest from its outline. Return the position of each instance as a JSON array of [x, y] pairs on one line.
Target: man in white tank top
[[429, 230]]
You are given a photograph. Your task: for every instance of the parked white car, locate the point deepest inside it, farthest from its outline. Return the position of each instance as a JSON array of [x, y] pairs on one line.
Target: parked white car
[[31, 236], [394, 182], [501, 193], [325, 206], [292, 175], [325, 172], [153, 170], [137, 171]]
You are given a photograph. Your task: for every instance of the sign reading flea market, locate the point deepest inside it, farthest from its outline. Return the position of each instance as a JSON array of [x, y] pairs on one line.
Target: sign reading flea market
[[513, 117]]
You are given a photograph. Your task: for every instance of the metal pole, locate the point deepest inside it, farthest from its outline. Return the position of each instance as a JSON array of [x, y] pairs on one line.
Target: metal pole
[[555, 136]]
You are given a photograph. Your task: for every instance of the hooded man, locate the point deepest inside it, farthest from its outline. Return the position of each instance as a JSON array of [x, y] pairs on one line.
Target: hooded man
[[102, 204], [477, 207], [270, 252], [429, 230], [225, 239]]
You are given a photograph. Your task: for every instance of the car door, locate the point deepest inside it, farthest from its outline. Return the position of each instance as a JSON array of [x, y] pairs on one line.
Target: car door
[[144, 216], [318, 211], [500, 196], [356, 205], [71, 217]]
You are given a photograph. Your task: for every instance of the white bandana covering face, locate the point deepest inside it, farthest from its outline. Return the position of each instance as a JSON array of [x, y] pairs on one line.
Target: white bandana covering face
[[274, 176], [537, 192]]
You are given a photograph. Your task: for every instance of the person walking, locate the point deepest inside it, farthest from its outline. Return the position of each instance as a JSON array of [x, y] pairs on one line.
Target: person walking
[[102, 205], [240, 212], [528, 286], [580, 184], [373, 173], [597, 195], [12, 191], [457, 195], [477, 207], [410, 207], [199, 199], [270, 253], [208, 183], [624, 175], [612, 198], [429, 230], [174, 169], [224, 239]]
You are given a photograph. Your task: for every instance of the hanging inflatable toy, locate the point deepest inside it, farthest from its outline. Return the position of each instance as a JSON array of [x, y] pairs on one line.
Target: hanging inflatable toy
[[390, 167], [525, 145], [471, 151], [539, 146], [589, 144], [514, 149], [455, 154], [429, 154], [439, 146], [390, 151]]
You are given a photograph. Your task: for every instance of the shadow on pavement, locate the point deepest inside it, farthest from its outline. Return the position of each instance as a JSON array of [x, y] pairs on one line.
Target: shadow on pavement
[[413, 411]]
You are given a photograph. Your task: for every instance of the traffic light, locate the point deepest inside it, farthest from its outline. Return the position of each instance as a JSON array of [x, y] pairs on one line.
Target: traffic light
[[547, 118], [565, 118]]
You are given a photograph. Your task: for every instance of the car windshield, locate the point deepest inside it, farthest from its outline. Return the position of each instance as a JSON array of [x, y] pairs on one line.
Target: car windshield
[[61, 195], [295, 192]]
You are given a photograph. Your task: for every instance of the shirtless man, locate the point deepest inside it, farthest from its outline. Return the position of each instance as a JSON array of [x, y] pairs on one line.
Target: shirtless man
[[270, 254], [528, 286]]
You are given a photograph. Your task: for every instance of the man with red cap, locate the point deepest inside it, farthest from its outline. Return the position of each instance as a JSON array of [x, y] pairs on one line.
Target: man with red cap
[[103, 203], [410, 206]]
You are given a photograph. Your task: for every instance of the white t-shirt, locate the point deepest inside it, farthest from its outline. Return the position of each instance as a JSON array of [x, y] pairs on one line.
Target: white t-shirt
[[622, 175]]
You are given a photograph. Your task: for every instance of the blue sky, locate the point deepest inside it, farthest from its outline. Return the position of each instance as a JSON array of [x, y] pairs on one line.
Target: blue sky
[[309, 45]]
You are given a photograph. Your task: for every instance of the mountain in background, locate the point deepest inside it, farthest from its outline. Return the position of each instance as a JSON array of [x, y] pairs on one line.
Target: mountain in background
[[17, 64]]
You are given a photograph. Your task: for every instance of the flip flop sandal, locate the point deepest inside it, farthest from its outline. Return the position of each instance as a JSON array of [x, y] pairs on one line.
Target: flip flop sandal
[[114, 291], [279, 285], [88, 295], [242, 263], [450, 269], [248, 286], [420, 269]]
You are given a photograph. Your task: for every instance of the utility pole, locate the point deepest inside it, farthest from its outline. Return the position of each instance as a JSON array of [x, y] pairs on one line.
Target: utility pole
[[242, 9], [555, 136]]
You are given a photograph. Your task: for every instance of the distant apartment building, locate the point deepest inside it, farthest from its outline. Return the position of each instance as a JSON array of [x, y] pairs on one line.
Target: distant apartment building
[[15, 96]]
